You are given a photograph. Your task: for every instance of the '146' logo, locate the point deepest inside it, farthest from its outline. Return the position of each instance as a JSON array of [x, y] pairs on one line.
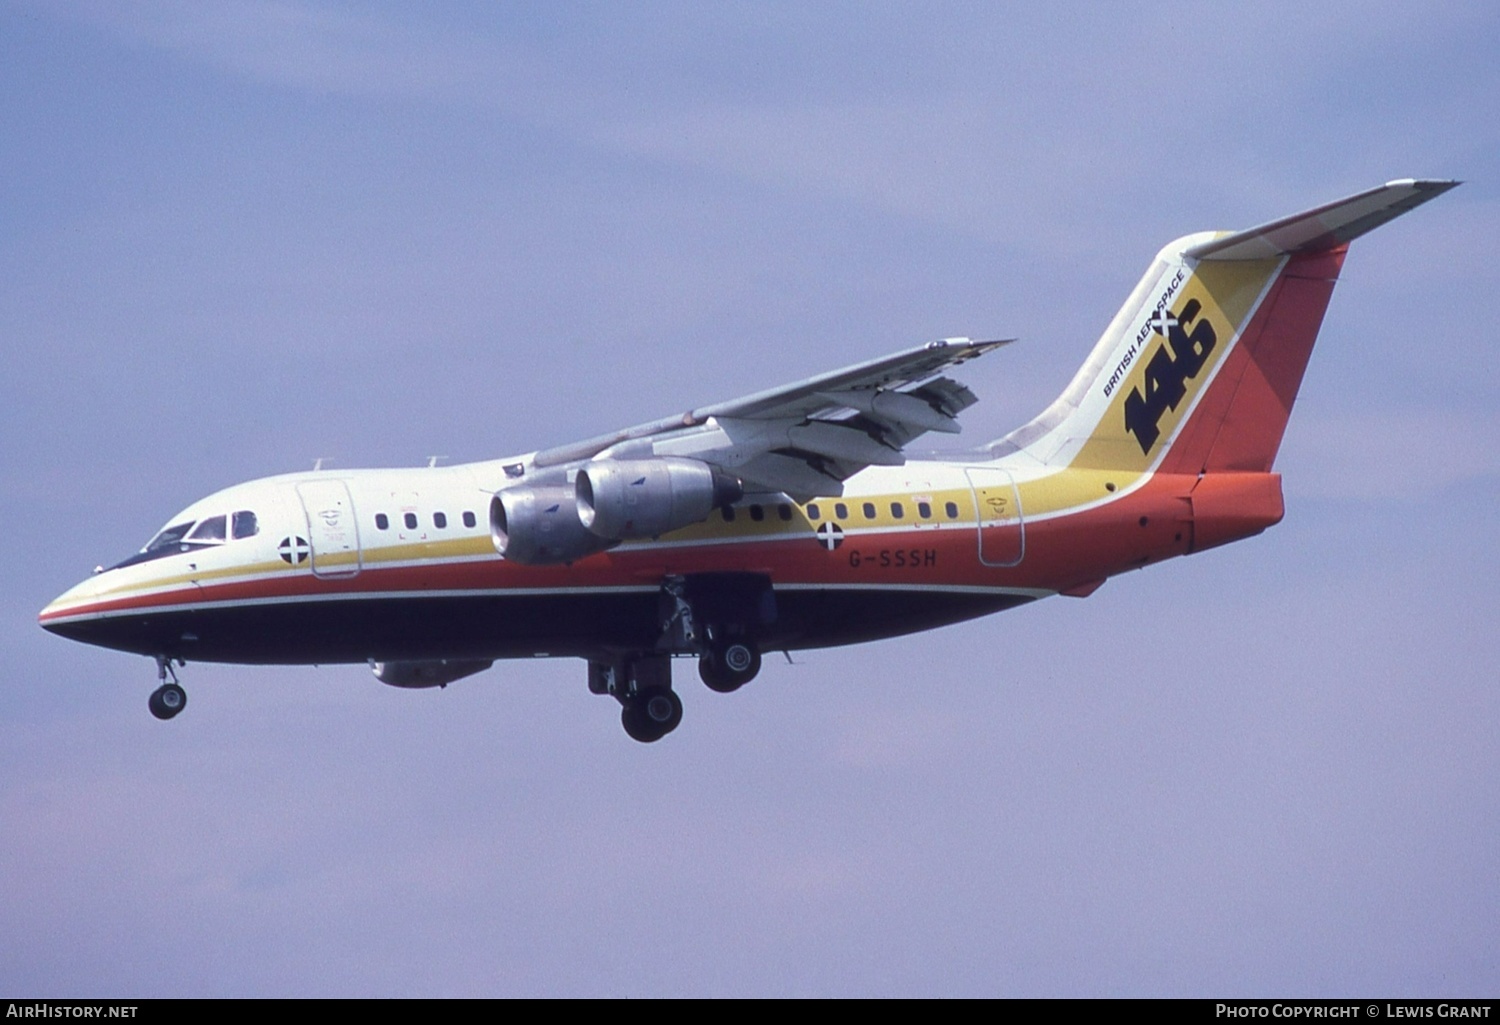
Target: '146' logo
[[1169, 371]]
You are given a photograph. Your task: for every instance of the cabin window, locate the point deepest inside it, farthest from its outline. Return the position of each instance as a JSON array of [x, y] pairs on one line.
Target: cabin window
[[728, 514], [382, 521], [924, 510], [897, 511], [212, 529], [410, 520], [468, 519], [841, 510], [245, 524], [952, 510], [812, 511], [757, 513], [440, 520], [784, 511], [869, 510]]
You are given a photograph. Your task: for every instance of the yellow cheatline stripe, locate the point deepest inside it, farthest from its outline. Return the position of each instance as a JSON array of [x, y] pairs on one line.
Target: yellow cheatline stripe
[[458, 548], [194, 577], [410, 551], [1072, 489], [716, 528], [1055, 493]]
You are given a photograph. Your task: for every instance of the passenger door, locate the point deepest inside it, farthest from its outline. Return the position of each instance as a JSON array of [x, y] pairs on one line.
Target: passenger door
[[332, 528], [1002, 534]]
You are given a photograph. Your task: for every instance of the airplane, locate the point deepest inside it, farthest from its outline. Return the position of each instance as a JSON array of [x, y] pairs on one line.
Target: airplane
[[785, 520]]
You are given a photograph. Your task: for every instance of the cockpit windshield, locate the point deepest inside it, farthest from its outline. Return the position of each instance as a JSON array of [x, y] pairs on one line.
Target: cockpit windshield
[[166, 542], [191, 535]]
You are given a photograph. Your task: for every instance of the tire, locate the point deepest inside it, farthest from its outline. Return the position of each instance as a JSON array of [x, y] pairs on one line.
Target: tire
[[729, 667], [651, 715], [167, 701]]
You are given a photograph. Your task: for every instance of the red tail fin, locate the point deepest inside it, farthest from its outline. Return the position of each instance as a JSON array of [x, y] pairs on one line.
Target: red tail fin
[[1242, 416]]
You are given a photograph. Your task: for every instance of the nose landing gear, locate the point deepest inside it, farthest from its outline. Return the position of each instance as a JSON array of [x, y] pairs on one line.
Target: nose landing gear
[[169, 698]]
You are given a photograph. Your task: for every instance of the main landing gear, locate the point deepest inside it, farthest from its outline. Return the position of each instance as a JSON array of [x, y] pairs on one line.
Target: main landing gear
[[652, 715], [649, 708], [727, 664], [168, 699], [716, 616]]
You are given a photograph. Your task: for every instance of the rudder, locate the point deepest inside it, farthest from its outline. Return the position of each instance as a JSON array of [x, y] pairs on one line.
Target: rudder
[[1239, 424]]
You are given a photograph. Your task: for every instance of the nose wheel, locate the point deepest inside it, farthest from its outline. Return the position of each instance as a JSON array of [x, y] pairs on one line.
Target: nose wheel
[[168, 699]]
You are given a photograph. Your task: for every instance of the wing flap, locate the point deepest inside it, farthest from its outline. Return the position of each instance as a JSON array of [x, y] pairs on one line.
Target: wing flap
[[794, 475], [897, 410]]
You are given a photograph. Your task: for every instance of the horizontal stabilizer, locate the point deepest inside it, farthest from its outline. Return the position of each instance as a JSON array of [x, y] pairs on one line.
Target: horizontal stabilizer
[[1324, 227]]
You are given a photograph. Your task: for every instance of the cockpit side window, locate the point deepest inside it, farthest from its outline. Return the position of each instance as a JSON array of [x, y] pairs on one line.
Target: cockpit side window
[[245, 524], [215, 528]]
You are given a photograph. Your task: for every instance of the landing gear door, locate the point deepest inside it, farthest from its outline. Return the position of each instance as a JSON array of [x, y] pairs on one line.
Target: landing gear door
[[331, 527], [1002, 534]]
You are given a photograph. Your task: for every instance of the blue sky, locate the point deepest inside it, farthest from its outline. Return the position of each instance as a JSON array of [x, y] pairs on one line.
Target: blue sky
[[238, 237]]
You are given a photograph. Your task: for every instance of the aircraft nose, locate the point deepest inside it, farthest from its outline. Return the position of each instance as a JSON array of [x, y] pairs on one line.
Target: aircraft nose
[[53, 617], [79, 614]]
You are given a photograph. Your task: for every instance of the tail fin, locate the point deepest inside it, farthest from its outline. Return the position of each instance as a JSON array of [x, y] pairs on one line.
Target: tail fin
[[1199, 370]]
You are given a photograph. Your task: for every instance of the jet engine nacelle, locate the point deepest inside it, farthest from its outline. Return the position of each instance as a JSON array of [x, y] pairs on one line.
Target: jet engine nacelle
[[636, 498], [538, 526], [438, 672]]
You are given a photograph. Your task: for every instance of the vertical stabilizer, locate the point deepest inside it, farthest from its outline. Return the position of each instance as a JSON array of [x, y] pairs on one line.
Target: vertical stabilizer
[[1199, 370]]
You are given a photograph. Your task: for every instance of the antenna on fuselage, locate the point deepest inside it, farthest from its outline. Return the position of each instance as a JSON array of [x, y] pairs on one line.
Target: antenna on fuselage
[[432, 461], [318, 463]]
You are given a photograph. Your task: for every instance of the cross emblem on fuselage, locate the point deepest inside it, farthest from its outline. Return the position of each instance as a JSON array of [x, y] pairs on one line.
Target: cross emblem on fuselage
[[294, 550], [1162, 321], [830, 536]]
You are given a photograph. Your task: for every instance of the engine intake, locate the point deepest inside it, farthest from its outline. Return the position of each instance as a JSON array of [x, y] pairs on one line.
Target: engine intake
[[540, 527], [637, 498]]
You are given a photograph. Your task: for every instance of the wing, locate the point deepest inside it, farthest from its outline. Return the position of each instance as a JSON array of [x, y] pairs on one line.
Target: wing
[[806, 438]]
